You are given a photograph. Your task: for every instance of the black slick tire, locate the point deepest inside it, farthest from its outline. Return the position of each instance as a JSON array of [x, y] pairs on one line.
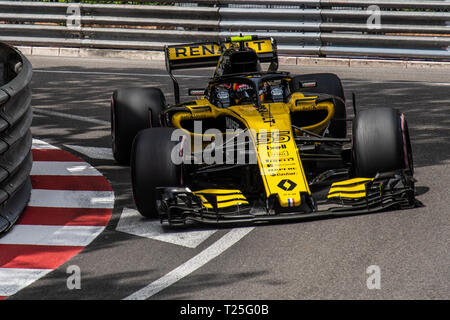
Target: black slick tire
[[132, 110], [381, 142], [328, 83], [152, 166]]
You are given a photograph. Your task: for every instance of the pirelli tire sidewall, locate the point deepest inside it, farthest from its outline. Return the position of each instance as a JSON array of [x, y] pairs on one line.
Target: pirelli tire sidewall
[[152, 166], [380, 142], [133, 110]]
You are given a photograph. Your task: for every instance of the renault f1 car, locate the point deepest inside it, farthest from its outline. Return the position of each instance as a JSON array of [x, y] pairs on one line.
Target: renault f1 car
[[257, 146]]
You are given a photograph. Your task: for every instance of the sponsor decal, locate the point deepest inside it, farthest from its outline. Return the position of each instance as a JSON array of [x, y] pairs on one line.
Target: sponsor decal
[[207, 50], [274, 136], [194, 51], [286, 185], [265, 114]]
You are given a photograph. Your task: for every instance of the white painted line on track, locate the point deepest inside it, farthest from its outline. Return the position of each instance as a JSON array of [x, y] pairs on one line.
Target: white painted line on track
[[218, 247], [132, 222], [52, 235], [66, 168], [93, 152], [70, 116], [71, 199], [14, 279]]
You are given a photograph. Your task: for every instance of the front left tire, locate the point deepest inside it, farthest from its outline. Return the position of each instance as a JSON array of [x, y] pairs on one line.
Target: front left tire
[[381, 142], [155, 162]]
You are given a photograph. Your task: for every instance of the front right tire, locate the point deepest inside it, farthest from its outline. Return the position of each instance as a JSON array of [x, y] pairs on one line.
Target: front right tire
[[133, 110]]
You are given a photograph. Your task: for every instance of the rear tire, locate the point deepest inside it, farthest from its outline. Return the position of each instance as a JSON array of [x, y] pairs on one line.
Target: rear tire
[[381, 142], [132, 110], [328, 83], [152, 167]]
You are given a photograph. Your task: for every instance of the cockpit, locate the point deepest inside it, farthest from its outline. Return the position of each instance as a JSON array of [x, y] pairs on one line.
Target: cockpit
[[238, 80], [241, 90]]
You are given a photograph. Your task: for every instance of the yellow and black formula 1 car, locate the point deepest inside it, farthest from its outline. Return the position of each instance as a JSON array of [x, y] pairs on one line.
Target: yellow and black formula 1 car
[[257, 146]]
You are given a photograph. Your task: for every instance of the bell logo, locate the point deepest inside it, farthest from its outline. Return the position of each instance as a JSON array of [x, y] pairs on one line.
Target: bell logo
[[287, 185]]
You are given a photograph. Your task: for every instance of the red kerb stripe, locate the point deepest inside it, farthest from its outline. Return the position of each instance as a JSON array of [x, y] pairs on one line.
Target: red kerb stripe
[[86, 183], [35, 257], [53, 155], [65, 216]]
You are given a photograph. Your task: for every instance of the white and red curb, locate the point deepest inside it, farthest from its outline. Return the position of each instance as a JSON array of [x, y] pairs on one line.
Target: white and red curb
[[70, 205]]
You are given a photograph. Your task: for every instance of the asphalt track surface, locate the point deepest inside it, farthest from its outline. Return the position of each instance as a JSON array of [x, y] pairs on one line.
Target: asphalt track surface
[[323, 259]]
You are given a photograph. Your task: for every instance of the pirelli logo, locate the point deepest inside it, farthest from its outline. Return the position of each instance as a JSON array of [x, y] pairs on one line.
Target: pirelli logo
[[207, 50]]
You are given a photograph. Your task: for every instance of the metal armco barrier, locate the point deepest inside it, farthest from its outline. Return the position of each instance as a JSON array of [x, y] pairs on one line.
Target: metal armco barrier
[[410, 29], [15, 135]]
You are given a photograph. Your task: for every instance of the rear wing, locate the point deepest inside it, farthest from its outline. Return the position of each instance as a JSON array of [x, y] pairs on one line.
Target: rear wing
[[207, 54]]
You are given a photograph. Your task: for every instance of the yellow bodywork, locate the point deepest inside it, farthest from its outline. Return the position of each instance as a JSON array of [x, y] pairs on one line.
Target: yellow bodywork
[[223, 197], [352, 188], [273, 139]]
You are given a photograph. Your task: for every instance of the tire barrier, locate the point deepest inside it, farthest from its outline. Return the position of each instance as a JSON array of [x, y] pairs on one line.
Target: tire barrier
[[15, 136]]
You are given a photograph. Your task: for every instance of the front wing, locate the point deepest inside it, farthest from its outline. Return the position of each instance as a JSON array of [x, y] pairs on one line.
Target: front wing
[[386, 191]]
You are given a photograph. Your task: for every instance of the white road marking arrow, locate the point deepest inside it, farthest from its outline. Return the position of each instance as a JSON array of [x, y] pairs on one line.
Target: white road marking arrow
[[132, 222], [193, 264]]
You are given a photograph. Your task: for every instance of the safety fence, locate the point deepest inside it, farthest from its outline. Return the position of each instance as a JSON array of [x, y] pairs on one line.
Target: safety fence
[[15, 135], [406, 29]]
